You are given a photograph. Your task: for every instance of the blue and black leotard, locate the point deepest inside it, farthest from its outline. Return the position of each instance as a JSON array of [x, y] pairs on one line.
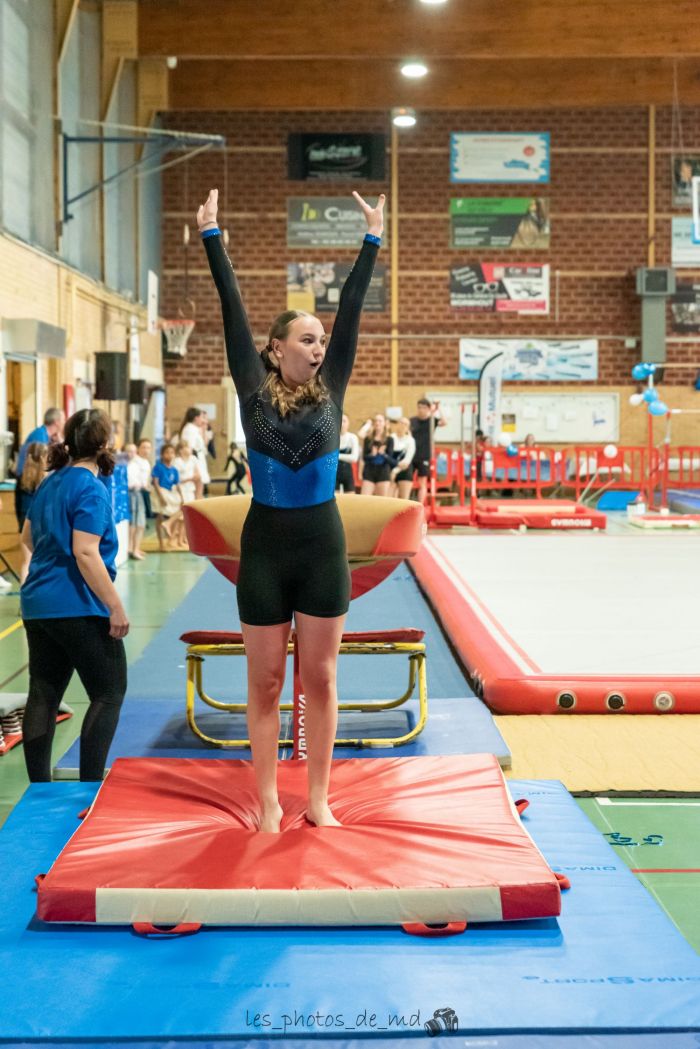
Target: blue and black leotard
[[293, 556]]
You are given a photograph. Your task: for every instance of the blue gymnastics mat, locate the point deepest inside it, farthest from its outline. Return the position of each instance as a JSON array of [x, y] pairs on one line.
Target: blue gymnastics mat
[[156, 728], [612, 963], [152, 722], [685, 1040], [683, 501]]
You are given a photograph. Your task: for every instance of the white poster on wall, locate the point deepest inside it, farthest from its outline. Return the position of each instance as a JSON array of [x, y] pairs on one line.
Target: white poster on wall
[[684, 250], [553, 360], [499, 157]]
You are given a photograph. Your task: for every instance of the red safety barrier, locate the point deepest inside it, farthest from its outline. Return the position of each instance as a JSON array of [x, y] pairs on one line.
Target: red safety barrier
[[680, 467], [633, 468], [532, 470], [587, 469], [590, 470]]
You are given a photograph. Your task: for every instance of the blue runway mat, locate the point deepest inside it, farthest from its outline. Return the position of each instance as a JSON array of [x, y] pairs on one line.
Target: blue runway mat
[[504, 1041], [156, 728], [152, 719], [682, 501], [613, 962]]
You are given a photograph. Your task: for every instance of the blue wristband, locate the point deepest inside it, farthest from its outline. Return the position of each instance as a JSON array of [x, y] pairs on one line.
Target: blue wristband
[[373, 240], [215, 232]]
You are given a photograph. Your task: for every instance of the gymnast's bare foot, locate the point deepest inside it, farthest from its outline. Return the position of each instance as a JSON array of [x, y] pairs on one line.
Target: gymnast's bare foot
[[321, 816], [270, 818]]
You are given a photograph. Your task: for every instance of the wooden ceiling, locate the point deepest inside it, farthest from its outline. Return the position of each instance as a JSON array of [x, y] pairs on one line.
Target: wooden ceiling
[[345, 54]]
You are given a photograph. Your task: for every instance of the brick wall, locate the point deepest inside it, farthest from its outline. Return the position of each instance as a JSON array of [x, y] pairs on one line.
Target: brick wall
[[598, 201]]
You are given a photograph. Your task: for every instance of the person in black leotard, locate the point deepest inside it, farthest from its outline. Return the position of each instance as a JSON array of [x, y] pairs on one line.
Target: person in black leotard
[[293, 556]]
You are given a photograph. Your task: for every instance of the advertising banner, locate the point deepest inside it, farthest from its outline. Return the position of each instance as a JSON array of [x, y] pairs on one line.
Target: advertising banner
[[489, 287], [336, 156], [499, 157], [527, 360], [683, 169], [324, 222], [499, 222], [490, 382], [315, 287], [685, 307]]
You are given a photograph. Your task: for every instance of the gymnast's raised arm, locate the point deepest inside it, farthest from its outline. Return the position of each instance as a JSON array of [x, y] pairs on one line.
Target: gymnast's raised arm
[[340, 356], [244, 361]]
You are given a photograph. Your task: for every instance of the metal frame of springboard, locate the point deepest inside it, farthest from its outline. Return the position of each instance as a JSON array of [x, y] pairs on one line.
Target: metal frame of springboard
[[163, 138], [415, 650]]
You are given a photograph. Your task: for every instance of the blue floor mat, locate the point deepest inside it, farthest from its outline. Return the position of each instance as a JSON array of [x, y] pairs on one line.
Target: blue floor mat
[[156, 728], [211, 605], [154, 707], [682, 501], [503, 1041], [612, 962]]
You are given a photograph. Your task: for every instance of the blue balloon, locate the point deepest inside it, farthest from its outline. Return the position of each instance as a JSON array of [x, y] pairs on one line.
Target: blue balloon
[[650, 395], [512, 450], [658, 408], [643, 370]]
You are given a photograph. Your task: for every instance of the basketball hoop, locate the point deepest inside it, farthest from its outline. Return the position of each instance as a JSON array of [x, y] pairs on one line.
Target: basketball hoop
[[177, 332]]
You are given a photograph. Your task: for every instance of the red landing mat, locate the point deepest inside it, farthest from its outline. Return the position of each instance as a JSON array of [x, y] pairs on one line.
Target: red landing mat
[[424, 840], [520, 513], [537, 513]]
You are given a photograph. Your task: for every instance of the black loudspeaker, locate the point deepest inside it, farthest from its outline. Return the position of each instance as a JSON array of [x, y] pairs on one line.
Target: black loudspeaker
[[111, 371], [137, 391]]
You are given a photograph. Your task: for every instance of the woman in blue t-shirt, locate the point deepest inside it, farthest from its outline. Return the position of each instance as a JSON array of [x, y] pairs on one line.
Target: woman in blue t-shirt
[[72, 613]]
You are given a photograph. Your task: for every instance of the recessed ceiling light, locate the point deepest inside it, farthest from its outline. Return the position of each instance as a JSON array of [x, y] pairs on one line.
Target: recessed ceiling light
[[414, 70], [403, 116], [433, 3]]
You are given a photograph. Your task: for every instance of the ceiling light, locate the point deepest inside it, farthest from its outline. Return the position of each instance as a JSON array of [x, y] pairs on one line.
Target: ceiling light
[[414, 70], [432, 3], [403, 116]]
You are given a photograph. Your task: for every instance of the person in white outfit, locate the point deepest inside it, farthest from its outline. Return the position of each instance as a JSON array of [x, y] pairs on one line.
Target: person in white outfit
[[138, 474], [349, 454], [191, 432], [188, 468], [404, 453]]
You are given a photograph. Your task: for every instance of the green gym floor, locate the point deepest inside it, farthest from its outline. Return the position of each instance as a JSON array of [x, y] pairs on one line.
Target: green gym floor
[[658, 838]]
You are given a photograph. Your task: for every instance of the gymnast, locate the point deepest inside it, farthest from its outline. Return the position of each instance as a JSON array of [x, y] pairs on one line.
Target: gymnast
[[293, 555]]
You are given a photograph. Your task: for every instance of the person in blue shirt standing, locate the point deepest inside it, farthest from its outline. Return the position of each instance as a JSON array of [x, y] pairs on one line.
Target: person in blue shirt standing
[[49, 433], [169, 500], [73, 616]]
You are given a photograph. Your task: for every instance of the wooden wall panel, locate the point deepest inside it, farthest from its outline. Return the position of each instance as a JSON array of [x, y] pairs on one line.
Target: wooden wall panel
[[454, 83], [394, 28]]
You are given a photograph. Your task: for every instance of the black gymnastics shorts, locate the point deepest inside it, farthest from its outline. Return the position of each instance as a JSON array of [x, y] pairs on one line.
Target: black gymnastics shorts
[[422, 467], [345, 478], [292, 560], [376, 473], [405, 475]]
